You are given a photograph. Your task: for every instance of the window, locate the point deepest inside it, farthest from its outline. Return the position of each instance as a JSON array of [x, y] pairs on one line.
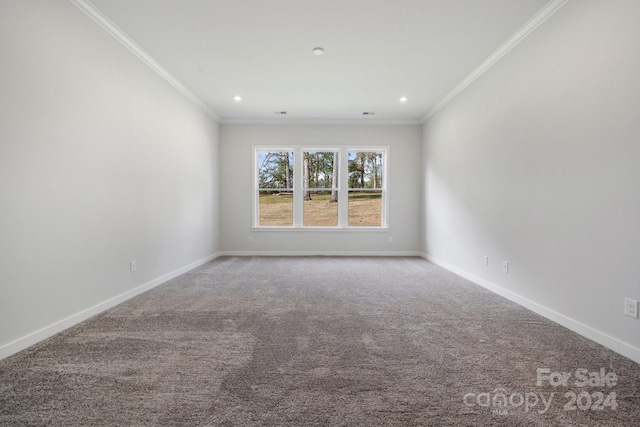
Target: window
[[365, 188], [303, 187], [320, 188], [275, 188]]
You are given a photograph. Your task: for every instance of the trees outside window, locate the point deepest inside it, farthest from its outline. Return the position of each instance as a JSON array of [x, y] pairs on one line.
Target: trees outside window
[[301, 187], [317, 188], [365, 188], [275, 188]]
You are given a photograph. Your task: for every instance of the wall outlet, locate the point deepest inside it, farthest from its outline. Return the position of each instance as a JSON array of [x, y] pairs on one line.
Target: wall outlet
[[631, 307], [505, 266], [485, 261], [133, 266], [250, 239], [390, 239]]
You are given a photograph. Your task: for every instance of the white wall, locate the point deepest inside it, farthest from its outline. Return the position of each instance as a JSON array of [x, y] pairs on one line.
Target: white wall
[[538, 163], [101, 162], [236, 142]]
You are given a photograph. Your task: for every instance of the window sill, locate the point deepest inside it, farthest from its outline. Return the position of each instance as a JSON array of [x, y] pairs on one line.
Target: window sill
[[325, 229]]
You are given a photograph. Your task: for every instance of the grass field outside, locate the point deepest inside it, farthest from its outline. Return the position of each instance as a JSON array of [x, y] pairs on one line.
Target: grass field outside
[[276, 209]]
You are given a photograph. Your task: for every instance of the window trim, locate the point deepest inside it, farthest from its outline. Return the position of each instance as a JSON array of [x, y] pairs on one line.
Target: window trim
[[343, 188]]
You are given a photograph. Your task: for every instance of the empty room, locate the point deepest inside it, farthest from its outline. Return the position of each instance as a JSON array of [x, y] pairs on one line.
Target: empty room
[[349, 213]]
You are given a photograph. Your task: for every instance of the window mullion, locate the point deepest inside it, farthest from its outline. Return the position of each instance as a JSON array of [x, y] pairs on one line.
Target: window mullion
[[298, 203], [343, 185]]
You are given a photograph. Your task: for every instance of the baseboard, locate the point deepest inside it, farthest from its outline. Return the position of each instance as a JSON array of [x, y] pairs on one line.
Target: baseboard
[[323, 253], [608, 341], [50, 330]]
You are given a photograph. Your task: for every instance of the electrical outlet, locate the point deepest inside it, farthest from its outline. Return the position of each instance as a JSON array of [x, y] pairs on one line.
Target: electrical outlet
[[133, 266], [485, 261], [631, 307], [390, 239], [505, 266], [250, 239]]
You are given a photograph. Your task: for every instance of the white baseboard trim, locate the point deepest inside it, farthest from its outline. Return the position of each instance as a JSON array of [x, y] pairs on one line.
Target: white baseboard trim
[[50, 330], [608, 341], [323, 253]]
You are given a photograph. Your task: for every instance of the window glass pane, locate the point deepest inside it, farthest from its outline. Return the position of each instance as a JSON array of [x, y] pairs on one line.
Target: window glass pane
[[275, 208], [320, 210], [320, 181], [365, 169], [365, 208], [320, 169], [275, 169]]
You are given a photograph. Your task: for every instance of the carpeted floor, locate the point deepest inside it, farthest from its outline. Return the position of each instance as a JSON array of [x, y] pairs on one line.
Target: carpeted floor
[[318, 341]]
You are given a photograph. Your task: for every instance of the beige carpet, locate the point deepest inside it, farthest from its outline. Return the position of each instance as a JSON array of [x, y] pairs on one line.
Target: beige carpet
[[319, 341]]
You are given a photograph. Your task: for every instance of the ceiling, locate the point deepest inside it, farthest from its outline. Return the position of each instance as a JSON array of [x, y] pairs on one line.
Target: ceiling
[[376, 51]]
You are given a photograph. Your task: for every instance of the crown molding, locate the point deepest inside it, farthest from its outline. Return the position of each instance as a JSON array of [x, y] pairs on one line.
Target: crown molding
[[92, 12], [539, 18], [301, 121]]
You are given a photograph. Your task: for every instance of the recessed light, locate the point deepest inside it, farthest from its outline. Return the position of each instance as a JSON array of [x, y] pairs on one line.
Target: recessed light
[[318, 51], [237, 98], [404, 99]]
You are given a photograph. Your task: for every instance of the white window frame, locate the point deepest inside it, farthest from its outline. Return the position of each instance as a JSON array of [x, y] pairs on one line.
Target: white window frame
[[342, 188]]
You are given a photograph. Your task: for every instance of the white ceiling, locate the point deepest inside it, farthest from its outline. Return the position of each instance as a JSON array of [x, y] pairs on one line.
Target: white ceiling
[[376, 51]]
